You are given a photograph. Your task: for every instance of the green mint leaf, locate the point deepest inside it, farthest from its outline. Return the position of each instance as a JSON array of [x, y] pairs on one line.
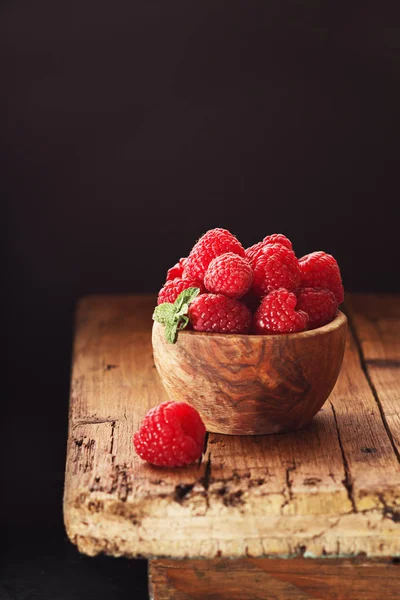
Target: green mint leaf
[[163, 313], [182, 302], [174, 316], [171, 331]]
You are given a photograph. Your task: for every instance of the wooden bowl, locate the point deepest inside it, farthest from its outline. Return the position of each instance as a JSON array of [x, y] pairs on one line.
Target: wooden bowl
[[252, 384]]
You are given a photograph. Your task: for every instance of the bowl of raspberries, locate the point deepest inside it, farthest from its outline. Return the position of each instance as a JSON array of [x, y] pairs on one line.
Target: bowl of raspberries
[[252, 338]]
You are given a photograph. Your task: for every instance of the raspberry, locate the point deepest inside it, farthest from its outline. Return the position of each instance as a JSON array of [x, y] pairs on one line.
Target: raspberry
[[277, 314], [253, 251], [275, 266], [211, 244], [319, 304], [275, 238], [321, 270], [176, 270], [219, 314], [229, 274], [171, 435], [278, 238], [171, 289]]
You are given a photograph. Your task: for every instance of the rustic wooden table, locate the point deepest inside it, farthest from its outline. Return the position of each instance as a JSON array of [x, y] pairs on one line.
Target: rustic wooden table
[[313, 514]]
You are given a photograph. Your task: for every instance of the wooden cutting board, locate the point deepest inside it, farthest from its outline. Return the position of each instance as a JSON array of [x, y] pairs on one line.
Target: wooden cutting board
[[329, 490]]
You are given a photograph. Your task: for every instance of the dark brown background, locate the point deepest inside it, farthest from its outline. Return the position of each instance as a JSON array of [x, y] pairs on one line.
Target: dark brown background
[[128, 129]]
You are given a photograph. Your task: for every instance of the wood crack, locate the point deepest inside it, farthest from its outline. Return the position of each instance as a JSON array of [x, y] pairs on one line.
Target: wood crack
[[289, 481], [364, 367], [384, 363], [288, 491], [206, 479], [206, 438], [112, 438], [94, 421], [347, 481]]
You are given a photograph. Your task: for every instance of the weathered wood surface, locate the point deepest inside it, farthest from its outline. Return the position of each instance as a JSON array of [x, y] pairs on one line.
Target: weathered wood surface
[[331, 489], [378, 331], [274, 579], [251, 384]]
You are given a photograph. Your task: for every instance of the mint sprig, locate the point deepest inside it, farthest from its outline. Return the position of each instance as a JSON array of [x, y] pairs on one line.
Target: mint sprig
[[174, 316]]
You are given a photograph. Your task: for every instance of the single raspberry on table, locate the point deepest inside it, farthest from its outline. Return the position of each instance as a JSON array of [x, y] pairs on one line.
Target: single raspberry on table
[[177, 270], [321, 270], [213, 243], [229, 274], [171, 435], [274, 267], [277, 314], [218, 314], [171, 289], [320, 305]]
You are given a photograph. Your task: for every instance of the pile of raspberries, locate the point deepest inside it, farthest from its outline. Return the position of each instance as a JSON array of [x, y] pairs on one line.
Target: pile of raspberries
[[263, 289], [223, 288]]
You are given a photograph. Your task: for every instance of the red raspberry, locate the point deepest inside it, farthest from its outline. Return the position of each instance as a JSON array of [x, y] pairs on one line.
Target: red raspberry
[[275, 238], [171, 289], [211, 244], [171, 435], [229, 274], [319, 304], [278, 238], [321, 270], [275, 267], [218, 314], [176, 270], [253, 251], [277, 314]]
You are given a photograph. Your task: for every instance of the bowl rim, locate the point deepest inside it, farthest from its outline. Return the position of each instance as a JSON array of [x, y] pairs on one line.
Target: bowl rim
[[339, 321]]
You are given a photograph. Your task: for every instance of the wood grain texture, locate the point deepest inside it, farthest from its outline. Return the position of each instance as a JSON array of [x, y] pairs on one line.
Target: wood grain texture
[[250, 384], [274, 579], [330, 489], [376, 324]]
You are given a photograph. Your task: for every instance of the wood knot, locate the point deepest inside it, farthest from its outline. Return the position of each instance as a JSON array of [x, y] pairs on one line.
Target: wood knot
[[312, 481], [234, 498], [392, 514], [182, 490]]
